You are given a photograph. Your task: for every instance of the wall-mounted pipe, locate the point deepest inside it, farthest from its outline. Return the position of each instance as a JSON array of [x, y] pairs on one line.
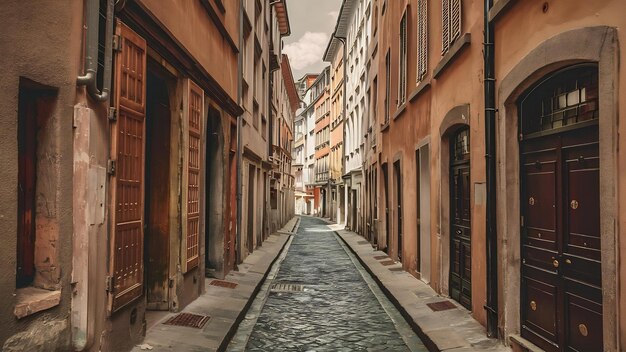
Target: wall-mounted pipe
[[239, 142], [490, 154], [91, 55]]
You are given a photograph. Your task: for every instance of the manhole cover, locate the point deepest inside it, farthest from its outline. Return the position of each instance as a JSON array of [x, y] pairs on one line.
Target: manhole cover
[[379, 257], [396, 269], [363, 242], [439, 306], [283, 287], [388, 262], [189, 320], [221, 283]]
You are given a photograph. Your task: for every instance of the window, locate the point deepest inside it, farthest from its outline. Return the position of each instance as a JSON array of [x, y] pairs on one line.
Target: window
[[422, 39], [402, 62], [450, 23], [387, 83]]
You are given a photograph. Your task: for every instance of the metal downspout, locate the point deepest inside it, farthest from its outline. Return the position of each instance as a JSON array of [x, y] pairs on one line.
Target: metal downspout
[[344, 104], [490, 155], [91, 55], [239, 144]]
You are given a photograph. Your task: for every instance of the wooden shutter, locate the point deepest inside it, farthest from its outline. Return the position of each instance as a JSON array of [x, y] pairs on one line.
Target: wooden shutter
[[445, 26], [127, 181], [192, 161], [455, 20], [422, 39], [403, 61]]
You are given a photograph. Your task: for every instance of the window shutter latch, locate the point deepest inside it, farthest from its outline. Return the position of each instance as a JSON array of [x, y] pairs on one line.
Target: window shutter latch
[[109, 284], [112, 114], [111, 167], [117, 43]]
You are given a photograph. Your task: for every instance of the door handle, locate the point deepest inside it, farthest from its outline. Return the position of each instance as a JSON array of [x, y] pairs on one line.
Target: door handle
[[555, 263], [459, 232], [568, 261]]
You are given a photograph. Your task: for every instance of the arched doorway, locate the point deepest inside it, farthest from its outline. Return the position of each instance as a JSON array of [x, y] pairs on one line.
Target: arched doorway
[[561, 276], [460, 219]]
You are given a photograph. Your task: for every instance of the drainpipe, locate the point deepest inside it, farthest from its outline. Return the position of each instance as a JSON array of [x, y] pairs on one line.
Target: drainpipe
[[345, 111], [239, 127], [91, 55], [490, 150]]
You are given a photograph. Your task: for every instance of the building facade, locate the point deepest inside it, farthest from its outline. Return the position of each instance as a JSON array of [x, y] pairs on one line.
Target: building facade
[[337, 91], [475, 153], [122, 167], [321, 104]]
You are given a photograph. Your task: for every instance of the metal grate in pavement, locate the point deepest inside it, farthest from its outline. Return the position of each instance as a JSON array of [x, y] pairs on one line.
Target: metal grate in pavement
[[387, 262], [221, 283], [188, 320], [442, 305], [379, 257], [285, 287]]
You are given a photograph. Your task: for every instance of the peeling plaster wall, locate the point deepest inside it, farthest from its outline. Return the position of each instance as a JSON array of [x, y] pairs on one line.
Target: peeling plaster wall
[[44, 47]]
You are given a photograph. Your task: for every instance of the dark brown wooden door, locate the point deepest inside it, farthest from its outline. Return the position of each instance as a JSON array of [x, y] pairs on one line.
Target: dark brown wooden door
[[460, 215], [561, 271], [127, 183]]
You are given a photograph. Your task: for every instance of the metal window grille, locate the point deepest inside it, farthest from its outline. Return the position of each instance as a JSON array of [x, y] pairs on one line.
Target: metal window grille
[[422, 38], [403, 60]]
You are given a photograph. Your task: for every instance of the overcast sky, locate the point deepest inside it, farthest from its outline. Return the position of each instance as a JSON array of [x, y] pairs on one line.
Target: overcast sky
[[312, 23]]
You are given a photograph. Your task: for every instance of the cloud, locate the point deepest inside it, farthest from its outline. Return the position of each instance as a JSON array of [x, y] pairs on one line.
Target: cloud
[[307, 51], [333, 15]]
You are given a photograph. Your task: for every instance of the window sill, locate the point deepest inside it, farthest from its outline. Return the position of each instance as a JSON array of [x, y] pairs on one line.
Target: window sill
[[424, 84], [400, 111], [30, 300], [498, 8], [384, 127], [452, 54]]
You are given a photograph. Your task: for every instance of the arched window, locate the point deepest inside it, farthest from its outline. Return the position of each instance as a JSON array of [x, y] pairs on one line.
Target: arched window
[[564, 99]]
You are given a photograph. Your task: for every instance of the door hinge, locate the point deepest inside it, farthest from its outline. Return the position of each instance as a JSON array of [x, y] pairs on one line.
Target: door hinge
[[109, 284], [112, 114], [117, 43], [522, 220], [111, 167]]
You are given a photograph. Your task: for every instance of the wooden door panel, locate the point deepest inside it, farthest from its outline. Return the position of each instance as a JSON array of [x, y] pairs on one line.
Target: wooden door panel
[[540, 310], [127, 147], [583, 324]]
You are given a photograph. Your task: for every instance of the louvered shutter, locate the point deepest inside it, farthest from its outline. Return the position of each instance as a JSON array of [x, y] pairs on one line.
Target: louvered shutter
[[455, 20], [403, 61], [422, 39], [445, 26], [127, 182], [192, 160]]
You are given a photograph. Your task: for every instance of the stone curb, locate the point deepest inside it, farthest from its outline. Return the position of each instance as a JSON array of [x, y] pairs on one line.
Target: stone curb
[[431, 337]]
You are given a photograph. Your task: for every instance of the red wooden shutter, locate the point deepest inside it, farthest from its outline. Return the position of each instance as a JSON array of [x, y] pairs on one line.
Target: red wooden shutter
[[127, 181], [191, 185]]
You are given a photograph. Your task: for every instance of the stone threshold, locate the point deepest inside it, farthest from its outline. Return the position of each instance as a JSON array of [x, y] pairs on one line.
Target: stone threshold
[[452, 330], [225, 306]]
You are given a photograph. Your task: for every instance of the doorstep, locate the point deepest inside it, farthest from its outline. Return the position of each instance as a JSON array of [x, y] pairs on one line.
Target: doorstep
[[226, 306], [446, 330]]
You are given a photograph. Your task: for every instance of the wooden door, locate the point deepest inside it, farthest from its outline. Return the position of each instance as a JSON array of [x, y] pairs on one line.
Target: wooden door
[[386, 190], [561, 277], [127, 180], [460, 215], [561, 268], [398, 182]]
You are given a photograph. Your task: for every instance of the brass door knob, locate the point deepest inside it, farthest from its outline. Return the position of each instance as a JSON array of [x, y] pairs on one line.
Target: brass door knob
[[555, 263], [567, 261]]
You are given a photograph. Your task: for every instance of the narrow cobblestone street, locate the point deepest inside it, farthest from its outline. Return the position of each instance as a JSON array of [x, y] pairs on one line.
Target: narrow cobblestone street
[[320, 301]]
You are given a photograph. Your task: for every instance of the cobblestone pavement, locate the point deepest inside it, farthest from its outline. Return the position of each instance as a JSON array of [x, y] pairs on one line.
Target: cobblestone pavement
[[336, 309]]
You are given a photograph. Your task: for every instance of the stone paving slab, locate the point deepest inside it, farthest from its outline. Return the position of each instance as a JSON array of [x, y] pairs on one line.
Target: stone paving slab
[[225, 306], [337, 309], [449, 330]]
